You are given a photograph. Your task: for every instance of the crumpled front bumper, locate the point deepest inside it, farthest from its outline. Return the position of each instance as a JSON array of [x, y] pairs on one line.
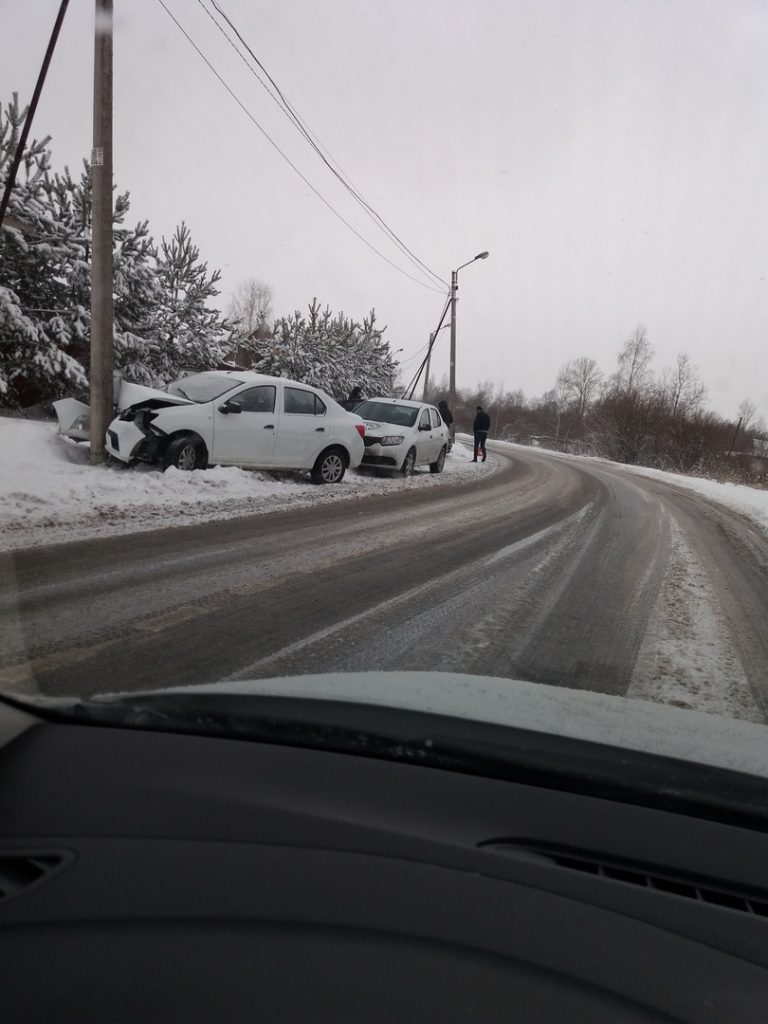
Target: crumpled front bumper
[[124, 440]]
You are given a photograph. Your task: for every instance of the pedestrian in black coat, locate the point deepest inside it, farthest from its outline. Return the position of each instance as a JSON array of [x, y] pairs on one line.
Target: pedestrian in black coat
[[481, 426]]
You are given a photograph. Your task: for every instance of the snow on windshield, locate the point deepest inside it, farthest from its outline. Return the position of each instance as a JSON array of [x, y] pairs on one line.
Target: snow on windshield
[[203, 387]]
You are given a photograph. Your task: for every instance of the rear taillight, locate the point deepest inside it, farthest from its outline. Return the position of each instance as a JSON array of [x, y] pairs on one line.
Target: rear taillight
[[360, 428]]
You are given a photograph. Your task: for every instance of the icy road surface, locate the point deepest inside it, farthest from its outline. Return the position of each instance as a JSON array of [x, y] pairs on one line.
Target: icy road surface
[[547, 568]]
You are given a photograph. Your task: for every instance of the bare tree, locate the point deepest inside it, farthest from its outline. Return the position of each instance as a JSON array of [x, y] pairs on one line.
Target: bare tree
[[578, 382], [633, 373], [748, 412], [250, 311], [683, 388]]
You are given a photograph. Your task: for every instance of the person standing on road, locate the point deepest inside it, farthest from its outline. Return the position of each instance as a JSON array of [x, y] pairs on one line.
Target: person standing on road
[[481, 426], [447, 417]]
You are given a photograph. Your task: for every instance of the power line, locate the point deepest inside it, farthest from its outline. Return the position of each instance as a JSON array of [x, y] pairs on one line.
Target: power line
[[287, 159], [311, 138]]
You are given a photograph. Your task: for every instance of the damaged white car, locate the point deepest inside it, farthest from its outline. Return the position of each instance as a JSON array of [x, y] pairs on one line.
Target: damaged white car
[[229, 418]]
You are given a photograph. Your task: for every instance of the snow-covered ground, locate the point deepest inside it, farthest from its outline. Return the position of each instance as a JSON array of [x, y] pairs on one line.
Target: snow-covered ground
[[750, 501], [50, 494]]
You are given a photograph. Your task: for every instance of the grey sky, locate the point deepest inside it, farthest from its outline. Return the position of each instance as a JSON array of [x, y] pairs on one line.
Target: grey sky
[[612, 156]]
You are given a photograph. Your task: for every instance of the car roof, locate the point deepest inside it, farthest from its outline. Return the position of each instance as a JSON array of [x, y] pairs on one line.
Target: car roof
[[252, 377], [398, 401]]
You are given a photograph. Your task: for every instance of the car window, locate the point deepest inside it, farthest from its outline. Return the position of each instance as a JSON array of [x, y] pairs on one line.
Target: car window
[[435, 417], [424, 420], [387, 412], [260, 399], [305, 403]]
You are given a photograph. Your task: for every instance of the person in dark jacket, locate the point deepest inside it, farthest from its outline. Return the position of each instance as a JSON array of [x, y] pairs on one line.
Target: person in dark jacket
[[447, 417], [481, 426], [356, 394]]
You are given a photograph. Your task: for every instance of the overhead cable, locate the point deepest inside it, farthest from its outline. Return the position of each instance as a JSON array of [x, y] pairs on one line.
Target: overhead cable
[[311, 138], [287, 159]]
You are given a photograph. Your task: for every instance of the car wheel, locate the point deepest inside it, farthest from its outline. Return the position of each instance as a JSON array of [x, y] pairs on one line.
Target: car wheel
[[409, 463], [186, 453], [437, 467], [329, 468]]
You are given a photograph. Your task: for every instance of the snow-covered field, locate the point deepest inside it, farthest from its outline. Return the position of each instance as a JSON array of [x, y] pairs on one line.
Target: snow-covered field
[[50, 494]]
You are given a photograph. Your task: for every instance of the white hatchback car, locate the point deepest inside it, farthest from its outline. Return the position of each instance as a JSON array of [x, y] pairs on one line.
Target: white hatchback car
[[400, 435], [234, 418]]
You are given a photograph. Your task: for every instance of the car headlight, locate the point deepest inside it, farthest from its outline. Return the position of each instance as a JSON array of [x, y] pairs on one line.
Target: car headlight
[[392, 439], [82, 422]]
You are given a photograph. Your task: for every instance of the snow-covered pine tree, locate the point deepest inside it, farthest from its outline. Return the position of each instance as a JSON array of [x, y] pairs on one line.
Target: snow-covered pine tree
[[38, 357], [45, 273], [190, 334], [334, 353]]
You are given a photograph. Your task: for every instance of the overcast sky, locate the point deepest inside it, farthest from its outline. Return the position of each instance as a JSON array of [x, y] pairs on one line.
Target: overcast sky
[[612, 156]]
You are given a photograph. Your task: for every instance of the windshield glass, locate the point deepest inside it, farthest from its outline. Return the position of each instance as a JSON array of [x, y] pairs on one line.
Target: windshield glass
[[386, 412], [549, 224], [203, 387]]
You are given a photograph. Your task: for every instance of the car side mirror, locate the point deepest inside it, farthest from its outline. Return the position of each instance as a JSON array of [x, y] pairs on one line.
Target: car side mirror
[[422, 427], [227, 408]]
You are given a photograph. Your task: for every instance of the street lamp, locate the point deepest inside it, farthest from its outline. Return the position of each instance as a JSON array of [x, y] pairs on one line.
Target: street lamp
[[454, 289]]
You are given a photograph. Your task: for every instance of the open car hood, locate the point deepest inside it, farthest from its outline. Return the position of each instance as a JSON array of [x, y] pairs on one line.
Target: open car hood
[[74, 416], [136, 394]]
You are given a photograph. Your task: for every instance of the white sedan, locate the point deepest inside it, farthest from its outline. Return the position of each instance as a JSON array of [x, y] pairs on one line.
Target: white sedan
[[234, 418], [400, 435]]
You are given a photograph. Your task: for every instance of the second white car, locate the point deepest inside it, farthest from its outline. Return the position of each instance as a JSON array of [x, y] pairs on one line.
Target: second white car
[[401, 435]]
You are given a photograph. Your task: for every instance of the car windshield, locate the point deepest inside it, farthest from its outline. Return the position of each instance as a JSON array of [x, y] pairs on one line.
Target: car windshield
[[548, 218], [388, 412], [203, 387]]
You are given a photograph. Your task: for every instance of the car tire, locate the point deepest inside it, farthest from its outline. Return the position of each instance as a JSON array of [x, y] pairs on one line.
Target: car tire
[[409, 463], [330, 467], [437, 467], [186, 452]]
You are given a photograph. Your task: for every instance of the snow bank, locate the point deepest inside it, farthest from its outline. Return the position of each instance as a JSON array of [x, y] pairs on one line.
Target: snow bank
[[750, 501], [50, 494]]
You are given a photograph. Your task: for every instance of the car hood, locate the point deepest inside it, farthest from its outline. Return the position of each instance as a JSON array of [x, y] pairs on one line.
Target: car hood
[[574, 714], [137, 394], [74, 416], [383, 425]]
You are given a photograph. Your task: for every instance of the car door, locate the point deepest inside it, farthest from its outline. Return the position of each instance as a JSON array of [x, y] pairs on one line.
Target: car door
[[439, 432], [245, 427], [304, 429], [425, 441]]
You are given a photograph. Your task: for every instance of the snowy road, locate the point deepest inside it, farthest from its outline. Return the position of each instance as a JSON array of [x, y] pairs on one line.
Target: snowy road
[[550, 569]]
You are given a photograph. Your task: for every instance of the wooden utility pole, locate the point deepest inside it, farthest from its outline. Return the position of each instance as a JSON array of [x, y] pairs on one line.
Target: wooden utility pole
[[102, 358], [432, 337]]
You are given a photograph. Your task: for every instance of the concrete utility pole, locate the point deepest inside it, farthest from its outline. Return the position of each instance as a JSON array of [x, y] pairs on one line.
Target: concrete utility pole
[[454, 290], [102, 358], [452, 372]]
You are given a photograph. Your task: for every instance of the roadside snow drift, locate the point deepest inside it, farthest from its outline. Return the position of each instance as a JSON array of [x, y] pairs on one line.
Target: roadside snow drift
[[50, 494]]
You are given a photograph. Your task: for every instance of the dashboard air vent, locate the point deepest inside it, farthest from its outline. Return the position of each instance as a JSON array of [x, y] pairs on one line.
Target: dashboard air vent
[[632, 873], [20, 870]]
